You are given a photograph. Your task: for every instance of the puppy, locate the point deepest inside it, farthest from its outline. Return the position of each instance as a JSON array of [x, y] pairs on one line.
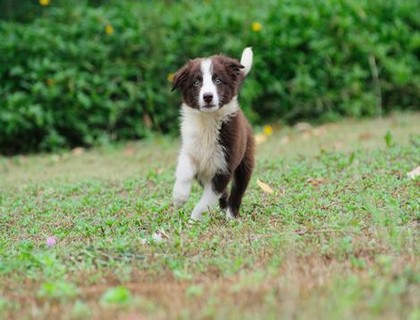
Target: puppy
[[217, 140]]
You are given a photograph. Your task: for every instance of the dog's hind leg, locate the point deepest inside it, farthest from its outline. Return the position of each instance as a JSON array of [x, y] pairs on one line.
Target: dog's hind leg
[[223, 201], [241, 179], [220, 183], [213, 191]]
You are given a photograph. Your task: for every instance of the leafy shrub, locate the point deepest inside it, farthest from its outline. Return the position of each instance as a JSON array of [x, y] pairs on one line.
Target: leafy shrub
[[79, 75]]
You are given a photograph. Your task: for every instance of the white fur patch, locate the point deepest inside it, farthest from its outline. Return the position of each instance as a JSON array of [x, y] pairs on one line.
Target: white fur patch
[[229, 214], [200, 139], [246, 60], [208, 87], [207, 201], [184, 174]]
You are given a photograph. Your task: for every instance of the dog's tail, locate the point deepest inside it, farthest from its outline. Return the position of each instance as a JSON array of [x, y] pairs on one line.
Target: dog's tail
[[246, 60]]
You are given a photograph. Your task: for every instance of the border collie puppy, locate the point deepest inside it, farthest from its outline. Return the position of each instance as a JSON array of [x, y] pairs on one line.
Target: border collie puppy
[[217, 140]]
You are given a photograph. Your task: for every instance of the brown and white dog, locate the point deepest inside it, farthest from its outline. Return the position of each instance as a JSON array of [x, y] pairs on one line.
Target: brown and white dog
[[217, 140]]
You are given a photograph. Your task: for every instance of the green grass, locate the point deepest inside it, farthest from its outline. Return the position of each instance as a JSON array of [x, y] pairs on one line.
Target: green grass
[[338, 238]]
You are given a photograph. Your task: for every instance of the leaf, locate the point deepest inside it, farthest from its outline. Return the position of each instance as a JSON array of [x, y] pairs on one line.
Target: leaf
[[129, 151], [316, 181], [365, 136], [265, 187], [285, 140], [389, 140], [303, 127], [181, 274], [117, 295], [195, 290], [352, 157], [260, 138], [414, 173], [58, 290], [78, 151], [84, 100]]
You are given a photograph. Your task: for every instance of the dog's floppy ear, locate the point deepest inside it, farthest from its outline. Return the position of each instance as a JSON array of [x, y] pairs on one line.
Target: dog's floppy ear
[[234, 67], [180, 77]]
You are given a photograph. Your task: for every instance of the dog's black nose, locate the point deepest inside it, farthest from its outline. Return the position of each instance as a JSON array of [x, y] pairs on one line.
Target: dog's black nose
[[208, 97]]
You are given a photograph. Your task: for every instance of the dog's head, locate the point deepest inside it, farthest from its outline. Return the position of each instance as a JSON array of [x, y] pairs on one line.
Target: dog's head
[[207, 84]]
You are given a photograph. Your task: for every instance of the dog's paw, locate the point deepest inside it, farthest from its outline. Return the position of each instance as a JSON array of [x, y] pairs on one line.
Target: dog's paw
[[180, 195], [179, 199], [229, 215], [195, 216], [193, 222]]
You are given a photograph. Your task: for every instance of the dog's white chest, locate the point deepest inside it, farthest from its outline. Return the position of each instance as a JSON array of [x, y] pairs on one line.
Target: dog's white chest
[[200, 140]]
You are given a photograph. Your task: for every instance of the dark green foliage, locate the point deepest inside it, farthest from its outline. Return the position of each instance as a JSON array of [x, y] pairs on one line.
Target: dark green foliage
[[66, 82]]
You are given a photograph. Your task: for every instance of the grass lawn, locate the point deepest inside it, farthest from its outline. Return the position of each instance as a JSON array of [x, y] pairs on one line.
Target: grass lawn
[[93, 234]]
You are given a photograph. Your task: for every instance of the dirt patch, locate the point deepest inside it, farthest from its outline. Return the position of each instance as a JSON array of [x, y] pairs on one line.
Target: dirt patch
[[164, 296]]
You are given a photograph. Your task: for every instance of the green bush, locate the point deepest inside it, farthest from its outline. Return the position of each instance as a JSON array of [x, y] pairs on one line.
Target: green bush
[[80, 75]]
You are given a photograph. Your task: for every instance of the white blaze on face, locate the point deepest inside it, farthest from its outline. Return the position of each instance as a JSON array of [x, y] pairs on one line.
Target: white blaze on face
[[208, 89]]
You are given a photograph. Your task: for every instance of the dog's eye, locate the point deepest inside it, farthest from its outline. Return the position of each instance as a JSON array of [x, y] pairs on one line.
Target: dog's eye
[[218, 81], [196, 83]]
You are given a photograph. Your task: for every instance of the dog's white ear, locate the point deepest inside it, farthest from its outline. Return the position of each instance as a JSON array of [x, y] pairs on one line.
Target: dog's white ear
[[246, 60]]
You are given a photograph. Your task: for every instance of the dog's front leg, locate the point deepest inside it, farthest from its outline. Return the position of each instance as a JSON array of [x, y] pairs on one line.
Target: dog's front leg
[[207, 201], [185, 172]]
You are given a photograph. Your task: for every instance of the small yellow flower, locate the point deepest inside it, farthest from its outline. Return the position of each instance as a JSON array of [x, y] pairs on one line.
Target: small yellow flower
[[170, 77], [268, 130], [109, 29], [44, 3], [256, 26]]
